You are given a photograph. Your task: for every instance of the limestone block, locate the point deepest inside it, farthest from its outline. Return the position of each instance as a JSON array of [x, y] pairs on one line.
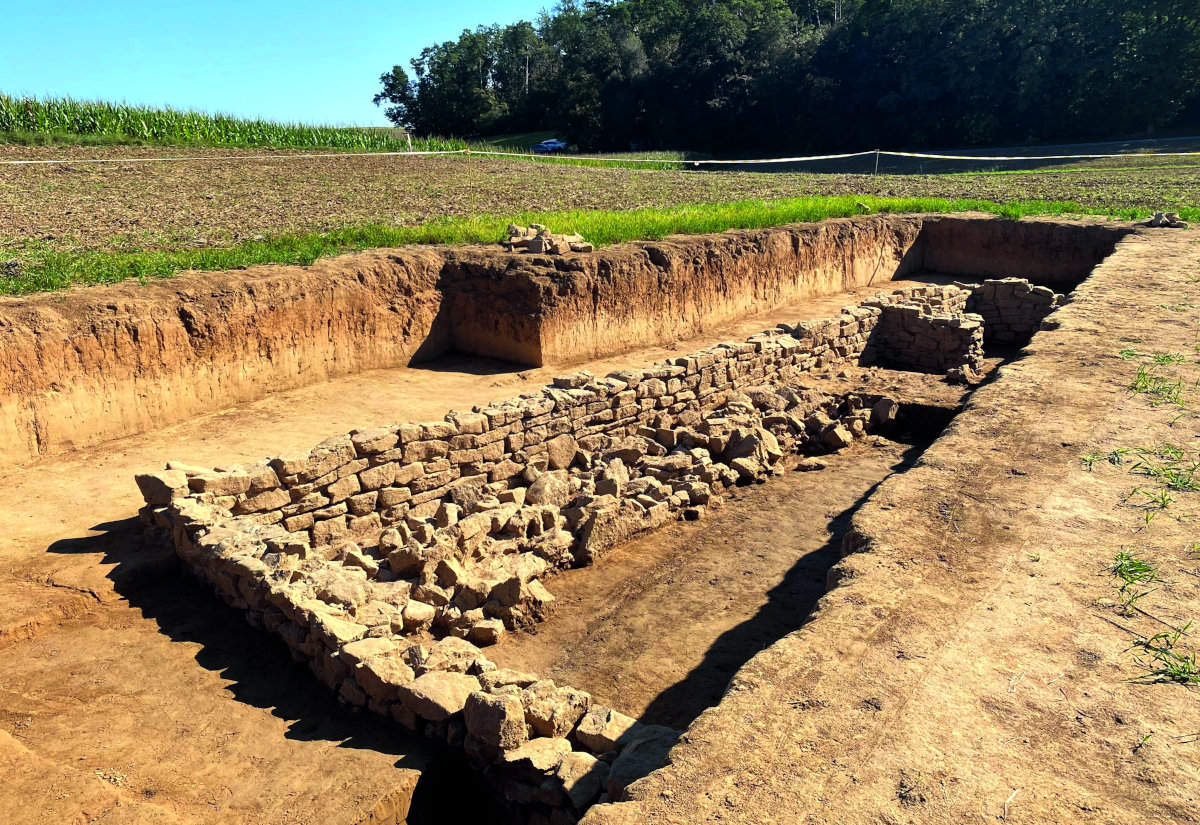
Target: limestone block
[[418, 615], [552, 488], [583, 778], [437, 695], [498, 721], [554, 711], [602, 730], [161, 488], [538, 756]]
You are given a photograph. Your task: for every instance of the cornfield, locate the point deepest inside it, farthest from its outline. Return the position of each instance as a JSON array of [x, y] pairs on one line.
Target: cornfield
[[63, 117]]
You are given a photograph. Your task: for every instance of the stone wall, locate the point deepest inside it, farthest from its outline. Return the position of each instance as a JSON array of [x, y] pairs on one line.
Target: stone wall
[[396, 623], [370, 479], [909, 337], [387, 558], [1012, 309]]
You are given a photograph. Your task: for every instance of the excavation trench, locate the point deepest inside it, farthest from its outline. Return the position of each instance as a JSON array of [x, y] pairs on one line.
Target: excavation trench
[[658, 627], [553, 586]]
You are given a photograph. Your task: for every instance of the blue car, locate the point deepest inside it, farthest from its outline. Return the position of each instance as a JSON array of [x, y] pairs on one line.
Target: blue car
[[548, 147]]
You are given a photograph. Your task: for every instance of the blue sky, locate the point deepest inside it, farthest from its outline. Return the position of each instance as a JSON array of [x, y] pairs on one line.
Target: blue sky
[[295, 61]]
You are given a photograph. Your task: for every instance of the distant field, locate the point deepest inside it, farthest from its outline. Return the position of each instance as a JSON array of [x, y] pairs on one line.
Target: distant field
[[68, 212]]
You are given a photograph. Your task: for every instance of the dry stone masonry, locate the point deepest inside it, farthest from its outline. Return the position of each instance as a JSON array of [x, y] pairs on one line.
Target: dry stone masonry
[[926, 330], [387, 559], [1012, 309]]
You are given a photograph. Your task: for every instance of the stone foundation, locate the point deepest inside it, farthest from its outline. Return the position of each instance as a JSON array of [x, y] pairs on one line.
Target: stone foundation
[[387, 559], [1012, 309]]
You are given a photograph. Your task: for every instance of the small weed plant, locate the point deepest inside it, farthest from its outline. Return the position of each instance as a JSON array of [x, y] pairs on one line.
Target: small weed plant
[[1162, 390], [1136, 576], [1164, 662], [1173, 473], [1167, 358]]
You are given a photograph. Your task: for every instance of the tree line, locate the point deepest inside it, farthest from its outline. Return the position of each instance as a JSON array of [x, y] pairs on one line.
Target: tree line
[[733, 75]]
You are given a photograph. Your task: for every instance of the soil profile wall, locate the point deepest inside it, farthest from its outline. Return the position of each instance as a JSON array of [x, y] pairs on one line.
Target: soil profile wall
[[1045, 252], [105, 362]]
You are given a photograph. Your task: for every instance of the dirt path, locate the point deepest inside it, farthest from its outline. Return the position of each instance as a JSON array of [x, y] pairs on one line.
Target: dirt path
[[659, 626], [131, 695]]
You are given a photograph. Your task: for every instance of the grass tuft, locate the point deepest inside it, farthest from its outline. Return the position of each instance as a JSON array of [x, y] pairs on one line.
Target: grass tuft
[[1163, 390], [1135, 574], [1164, 663]]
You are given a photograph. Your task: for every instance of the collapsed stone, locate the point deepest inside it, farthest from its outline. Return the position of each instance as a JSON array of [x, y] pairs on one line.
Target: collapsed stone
[[537, 238]]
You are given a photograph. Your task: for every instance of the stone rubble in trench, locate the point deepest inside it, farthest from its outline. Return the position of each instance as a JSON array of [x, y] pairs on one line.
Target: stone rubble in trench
[[387, 558]]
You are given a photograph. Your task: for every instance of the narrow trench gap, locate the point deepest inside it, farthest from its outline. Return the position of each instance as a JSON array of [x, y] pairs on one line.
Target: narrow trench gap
[[657, 628]]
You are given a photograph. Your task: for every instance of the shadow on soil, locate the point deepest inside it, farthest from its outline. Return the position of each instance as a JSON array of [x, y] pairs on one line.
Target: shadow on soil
[[470, 365], [789, 606], [264, 676]]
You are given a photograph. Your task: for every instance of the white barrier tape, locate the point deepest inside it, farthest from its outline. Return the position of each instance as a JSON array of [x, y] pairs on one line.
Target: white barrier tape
[[1040, 157], [784, 160], [805, 158], [551, 156], [667, 160], [231, 157], [602, 159]]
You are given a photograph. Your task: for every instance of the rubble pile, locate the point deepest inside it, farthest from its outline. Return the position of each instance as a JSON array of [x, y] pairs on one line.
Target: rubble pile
[[1167, 219], [537, 238]]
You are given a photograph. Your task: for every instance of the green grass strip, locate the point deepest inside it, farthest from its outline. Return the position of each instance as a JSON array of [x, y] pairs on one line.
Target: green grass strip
[[44, 271]]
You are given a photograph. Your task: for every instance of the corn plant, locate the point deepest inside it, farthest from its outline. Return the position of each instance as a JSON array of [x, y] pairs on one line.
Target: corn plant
[[49, 117]]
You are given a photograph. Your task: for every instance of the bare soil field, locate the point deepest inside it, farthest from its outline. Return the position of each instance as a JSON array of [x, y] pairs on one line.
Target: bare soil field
[[217, 203], [975, 658]]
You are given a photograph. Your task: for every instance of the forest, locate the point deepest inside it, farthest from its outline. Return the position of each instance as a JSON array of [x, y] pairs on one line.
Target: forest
[[735, 75]]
